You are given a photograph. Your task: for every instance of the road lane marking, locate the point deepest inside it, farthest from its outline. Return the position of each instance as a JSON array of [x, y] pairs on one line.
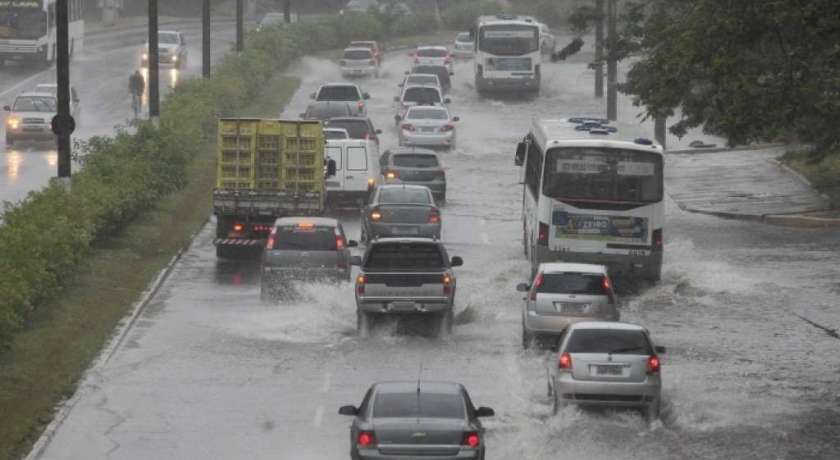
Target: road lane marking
[[485, 238], [326, 387], [319, 417]]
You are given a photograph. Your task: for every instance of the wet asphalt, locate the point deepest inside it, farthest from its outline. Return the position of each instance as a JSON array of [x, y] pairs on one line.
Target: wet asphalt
[[208, 371]]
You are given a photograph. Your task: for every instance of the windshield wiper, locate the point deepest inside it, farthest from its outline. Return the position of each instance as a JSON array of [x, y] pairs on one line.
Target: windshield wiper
[[624, 350]]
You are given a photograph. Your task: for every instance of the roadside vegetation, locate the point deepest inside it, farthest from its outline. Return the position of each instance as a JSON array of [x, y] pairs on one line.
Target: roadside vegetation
[[75, 258]]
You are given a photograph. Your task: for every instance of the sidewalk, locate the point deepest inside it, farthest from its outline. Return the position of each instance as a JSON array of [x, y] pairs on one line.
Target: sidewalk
[[745, 184]]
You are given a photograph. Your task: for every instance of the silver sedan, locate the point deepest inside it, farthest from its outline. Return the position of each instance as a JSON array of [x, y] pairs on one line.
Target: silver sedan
[[428, 126], [401, 210]]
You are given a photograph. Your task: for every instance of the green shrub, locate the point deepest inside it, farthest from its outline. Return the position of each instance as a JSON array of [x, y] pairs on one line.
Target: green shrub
[[45, 237], [461, 15]]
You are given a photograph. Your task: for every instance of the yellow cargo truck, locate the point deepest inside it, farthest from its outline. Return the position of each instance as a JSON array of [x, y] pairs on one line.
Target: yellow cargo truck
[[265, 169]]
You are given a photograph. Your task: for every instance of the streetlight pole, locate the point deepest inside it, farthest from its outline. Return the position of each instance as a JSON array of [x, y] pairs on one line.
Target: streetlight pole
[[599, 49], [612, 64], [63, 124], [205, 38], [154, 87], [240, 32]]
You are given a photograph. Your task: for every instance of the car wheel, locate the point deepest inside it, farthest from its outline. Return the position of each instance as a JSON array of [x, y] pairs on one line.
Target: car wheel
[[651, 412], [557, 403], [445, 323], [363, 324], [527, 339]]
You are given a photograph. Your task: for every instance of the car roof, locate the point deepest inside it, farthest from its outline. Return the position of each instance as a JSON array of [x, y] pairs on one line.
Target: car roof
[[47, 85], [369, 42], [167, 32], [422, 85], [339, 83], [322, 221], [560, 267], [403, 186], [439, 108], [352, 142], [407, 150], [410, 386], [36, 93], [422, 74], [394, 239], [610, 325], [329, 128], [365, 119], [431, 47], [357, 48]]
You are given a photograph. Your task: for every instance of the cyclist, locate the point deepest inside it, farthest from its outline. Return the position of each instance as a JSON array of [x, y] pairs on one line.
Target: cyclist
[[136, 87]]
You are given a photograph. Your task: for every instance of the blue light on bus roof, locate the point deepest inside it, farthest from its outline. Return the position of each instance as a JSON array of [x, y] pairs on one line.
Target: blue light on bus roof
[[596, 126], [643, 141], [579, 120]]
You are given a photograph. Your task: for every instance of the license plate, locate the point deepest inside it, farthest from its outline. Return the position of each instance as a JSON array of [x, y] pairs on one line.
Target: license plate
[[428, 130], [405, 231], [609, 370], [402, 306], [571, 307]]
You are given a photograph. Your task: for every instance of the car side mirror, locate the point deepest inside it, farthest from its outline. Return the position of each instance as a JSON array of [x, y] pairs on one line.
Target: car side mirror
[[451, 73], [356, 260], [523, 287], [447, 100], [7, 108], [519, 159], [659, 349], [348, 410], [352, 244], [378, 131], [366, 96], [456, 118], [456, 261], [484, 412], [407, 72]]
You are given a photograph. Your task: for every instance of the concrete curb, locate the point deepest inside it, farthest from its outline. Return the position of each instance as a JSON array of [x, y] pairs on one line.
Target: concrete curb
[[783, 220], [108, 351], [747, 148], [800, 177]]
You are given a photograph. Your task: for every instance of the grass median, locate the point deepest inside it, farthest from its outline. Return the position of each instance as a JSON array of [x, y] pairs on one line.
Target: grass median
[[823, 174], [47, 360]]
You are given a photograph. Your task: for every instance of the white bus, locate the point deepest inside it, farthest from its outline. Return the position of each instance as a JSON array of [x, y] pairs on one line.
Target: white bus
[[589, 197], [28, 30], [507, 53]]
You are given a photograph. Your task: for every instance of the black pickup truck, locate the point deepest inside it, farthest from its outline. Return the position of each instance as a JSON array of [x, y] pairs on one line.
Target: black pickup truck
[[400, 276]]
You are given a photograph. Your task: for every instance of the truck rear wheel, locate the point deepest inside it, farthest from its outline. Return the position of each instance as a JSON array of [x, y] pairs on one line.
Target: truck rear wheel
[[227, 252], [445, 320], [364, 323]]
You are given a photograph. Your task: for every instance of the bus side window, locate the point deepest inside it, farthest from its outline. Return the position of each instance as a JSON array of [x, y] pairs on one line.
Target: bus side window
[[533, 167]]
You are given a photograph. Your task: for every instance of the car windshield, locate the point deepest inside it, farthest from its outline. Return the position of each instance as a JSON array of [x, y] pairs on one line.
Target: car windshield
[[168, 38], [363, 44], [305, 238], [339, 93], [422, 80], [614, 341], [23, 23], [327, 111], [573, 283], [358, 54], [331, 134], [422, 95], [403, 195], [432, 52], [415, 160], [357, 129], [413, 405], [427, 114], [509, 39], [404, 256], [463, 37], [35, 104], [607, 174]]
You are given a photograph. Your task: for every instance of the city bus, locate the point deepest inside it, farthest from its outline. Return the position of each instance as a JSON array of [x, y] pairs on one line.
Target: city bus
[[590, 196], [507, 53], [28, 30]]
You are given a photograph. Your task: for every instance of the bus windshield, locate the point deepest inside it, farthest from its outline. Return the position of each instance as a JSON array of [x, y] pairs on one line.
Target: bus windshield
[[508, 39], [22, 23], [603, 174]]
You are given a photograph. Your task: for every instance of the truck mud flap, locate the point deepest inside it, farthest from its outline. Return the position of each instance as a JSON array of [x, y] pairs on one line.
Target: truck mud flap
[[237, 242]]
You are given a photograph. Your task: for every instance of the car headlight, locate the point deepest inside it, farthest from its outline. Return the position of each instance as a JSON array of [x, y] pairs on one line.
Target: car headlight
[[145, 56], [13, 122], [175, 58]]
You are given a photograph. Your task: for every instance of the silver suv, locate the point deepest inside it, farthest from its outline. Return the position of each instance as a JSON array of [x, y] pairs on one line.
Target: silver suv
[[415, 166], [562, 294], [604, 363], [401, 276], [304, 249]]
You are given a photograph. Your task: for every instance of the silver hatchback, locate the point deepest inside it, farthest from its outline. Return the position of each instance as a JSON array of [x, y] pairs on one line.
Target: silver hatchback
[[604, 363], [416, 166], [562, 294], [401, 211]]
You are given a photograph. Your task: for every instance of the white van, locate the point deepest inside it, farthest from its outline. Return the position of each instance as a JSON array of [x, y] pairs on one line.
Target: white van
[[356, 171]]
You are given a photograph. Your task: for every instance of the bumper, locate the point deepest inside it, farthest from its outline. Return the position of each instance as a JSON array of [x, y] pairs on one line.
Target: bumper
[[276, 276], [545, 325], [399, 306], [525, 82], [614, 394], [375, 454], [358, 71], [647, 266], [37, 132], [434, 140], [405, 230], [167, 59]]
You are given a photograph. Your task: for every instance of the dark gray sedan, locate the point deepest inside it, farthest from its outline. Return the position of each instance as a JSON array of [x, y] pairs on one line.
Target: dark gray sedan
[[401, 210], [417, 419], [415, 166]]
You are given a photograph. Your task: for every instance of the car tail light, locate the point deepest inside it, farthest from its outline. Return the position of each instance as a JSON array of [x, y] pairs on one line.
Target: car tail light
[[238, 228], [376, 214], [434, 216], [471, 440], [407, 127], [542, 236], [447, 284], [371, 184], [361, 280], [339, 242], [653, 365], [366, 439], [441, 173], [391, 175], [272, 239], [606, 284], [538, 282], [656, 240], [360, 105], [565, 361], [447, 127]]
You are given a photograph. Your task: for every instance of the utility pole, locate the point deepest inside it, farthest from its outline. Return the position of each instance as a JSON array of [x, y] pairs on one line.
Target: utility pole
[[599, 49], [240, 33], [659, 131], [287, 11], [63, 123], [612, 64], [154, 87], [205, 38]]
